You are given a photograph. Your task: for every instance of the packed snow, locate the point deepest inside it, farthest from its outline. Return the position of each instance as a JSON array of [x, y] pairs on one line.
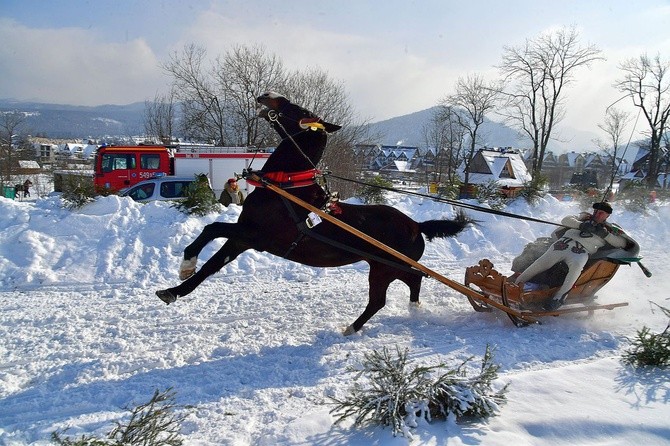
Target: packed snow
[[257, 350]]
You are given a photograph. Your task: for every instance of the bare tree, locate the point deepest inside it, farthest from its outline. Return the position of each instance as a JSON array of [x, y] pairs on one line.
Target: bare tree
[[219, 100], [203, 113], [665, 160], [159, 117], [614, 126], [647, 82], [243, 74], [326, 97], [10, 125], [446, 135], [473, 99], [535, 76]]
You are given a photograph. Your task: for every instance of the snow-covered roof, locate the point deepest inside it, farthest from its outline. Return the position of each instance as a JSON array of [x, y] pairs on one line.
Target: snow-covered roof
[[89, 151], [28, 164], [572, 158], [402, 166], [641, 153], [504, 167], [662, 181], [634, 175]]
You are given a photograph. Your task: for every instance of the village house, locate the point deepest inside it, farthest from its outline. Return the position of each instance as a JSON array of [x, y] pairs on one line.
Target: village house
[[50, 151], [394, 162], [503, 166], [578, 169], [639, 168]]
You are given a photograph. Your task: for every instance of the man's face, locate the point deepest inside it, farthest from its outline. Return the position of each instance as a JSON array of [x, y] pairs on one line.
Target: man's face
[[600, 216]]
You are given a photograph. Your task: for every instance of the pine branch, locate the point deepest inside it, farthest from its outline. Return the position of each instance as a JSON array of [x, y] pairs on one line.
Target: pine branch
[[151, 424], [399, 396], [650, 349]]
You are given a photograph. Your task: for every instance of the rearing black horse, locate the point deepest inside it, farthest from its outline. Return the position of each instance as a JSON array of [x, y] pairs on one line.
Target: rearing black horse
[[269, 222]]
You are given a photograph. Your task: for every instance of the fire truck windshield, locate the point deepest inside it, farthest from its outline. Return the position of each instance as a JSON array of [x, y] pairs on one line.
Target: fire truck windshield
[[117, 161]]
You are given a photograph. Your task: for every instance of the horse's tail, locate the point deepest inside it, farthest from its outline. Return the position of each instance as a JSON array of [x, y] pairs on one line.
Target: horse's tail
[[444, 228]]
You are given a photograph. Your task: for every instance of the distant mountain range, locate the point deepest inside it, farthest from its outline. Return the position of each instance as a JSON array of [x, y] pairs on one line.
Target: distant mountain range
[[409, 130], [79, 122]]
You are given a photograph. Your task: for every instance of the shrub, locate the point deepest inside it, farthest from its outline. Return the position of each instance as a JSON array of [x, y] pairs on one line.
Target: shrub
[[490, 193], [77, 191], [373, 191], [634, 197], [150, 424], [650, 349], [397, 395], [200, 199], [450, 190], [533, 190]]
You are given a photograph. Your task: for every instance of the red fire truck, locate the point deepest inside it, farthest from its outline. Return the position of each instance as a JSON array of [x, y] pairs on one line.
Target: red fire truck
[[119, 167]]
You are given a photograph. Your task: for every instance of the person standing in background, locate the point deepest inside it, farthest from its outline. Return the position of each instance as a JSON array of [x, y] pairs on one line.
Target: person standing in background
[[231, 194]]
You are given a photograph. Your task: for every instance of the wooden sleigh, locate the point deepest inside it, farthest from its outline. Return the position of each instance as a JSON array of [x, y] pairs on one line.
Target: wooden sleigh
[[528, 299]]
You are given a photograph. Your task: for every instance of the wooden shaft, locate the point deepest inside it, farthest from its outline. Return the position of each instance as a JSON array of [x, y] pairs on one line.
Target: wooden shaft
[[450, 283]]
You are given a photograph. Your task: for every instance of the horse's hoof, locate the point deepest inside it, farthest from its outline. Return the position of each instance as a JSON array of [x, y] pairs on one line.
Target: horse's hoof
[[187, 268], [414, 307], [186, 273], [349, 331], [166, 296]]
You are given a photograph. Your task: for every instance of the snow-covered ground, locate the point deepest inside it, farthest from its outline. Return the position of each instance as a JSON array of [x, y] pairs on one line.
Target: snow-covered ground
[[256, 351]]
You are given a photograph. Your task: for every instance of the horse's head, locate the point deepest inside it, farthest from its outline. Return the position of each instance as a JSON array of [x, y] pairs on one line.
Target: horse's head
[[299, 128], [288, 118]]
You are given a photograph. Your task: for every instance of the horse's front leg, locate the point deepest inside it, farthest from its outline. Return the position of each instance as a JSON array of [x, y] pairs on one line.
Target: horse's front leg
[[210, 232], [228, 252]]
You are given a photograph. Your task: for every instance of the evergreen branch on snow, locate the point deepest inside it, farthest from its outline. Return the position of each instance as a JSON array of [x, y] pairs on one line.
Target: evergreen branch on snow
[[151, 424], [455, 393], [399, 396], [650, 349]]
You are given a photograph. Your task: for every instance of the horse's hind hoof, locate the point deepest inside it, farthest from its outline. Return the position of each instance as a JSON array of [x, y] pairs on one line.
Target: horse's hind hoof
[[349, 331], [166, 296]]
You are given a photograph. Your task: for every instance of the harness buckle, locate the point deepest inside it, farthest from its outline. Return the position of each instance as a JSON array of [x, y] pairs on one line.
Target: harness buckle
[[312, 220]]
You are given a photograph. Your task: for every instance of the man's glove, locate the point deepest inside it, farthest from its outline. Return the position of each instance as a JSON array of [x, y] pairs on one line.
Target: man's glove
[[587, 226], [600, 231]]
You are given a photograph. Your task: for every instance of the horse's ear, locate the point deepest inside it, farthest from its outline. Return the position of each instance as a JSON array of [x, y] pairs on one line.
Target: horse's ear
[[330, 128]]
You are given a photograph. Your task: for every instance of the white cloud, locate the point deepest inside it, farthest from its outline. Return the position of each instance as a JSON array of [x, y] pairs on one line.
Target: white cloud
[[74, 66], [374, 70]]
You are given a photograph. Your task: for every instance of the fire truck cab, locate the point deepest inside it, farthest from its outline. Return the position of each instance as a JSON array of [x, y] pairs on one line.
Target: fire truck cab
[[119, 167]]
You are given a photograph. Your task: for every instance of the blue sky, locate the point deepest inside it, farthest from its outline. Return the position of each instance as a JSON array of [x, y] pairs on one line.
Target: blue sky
[[394, 57]]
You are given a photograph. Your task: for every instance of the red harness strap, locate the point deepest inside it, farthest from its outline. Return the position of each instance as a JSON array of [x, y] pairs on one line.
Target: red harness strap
[[286, 180]]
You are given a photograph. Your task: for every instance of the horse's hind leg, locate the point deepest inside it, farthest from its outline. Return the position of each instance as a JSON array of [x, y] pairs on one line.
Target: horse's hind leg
[[209, 233], [413, 281], [379, 279], [228, 252]]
